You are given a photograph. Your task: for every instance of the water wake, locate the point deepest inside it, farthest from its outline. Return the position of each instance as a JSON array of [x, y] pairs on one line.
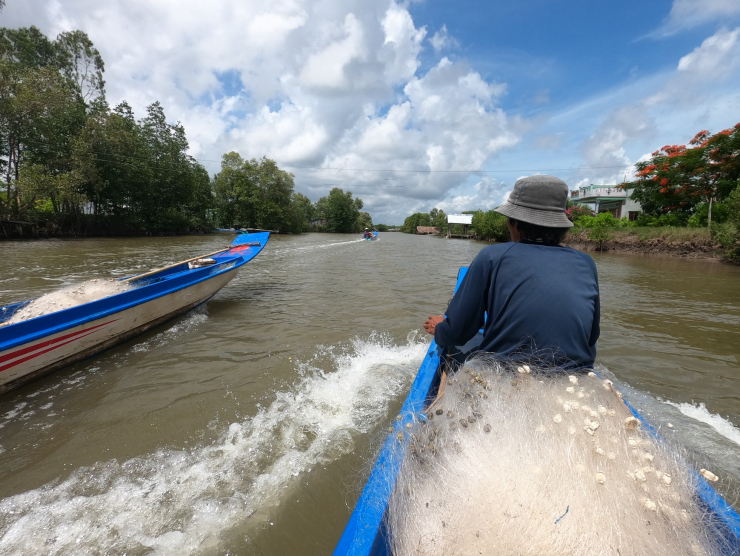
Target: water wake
[[187, 501], [323, 246], [700, 413]]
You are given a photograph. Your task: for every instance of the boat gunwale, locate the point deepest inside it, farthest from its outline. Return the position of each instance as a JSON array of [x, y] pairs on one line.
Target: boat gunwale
[[364, 533]]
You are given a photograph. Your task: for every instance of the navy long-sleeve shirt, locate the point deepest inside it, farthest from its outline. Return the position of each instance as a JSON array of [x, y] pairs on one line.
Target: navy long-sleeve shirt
[[542, 304]]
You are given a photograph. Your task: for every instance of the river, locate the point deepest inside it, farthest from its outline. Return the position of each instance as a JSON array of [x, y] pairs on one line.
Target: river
[[248, 426]]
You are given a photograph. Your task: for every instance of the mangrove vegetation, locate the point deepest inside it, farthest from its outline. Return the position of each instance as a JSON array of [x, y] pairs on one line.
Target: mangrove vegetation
[[70, 164]]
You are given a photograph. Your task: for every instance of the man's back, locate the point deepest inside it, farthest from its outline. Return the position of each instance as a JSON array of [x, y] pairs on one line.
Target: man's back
[[542, 304]]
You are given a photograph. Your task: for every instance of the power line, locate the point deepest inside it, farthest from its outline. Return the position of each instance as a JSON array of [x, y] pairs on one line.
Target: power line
[[478, 171], [417, 171]]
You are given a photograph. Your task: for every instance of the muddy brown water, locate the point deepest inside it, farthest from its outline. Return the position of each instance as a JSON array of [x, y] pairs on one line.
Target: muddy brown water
[[249, 426]]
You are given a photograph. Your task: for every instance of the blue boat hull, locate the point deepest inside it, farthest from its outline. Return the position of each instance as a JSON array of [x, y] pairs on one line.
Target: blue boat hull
[[35, 347]]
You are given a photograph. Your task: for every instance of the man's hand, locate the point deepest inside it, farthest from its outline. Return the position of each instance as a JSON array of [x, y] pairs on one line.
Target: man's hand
[[431, 323]]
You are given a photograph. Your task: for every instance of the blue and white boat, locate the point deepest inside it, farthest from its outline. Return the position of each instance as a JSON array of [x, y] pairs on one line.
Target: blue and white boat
[[365, 533], [35, 347]]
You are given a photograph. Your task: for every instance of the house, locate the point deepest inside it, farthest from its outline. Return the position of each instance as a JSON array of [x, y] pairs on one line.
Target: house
[[607, 198]]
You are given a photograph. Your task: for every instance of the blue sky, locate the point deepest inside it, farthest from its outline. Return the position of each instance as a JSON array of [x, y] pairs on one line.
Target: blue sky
[[399, 102]]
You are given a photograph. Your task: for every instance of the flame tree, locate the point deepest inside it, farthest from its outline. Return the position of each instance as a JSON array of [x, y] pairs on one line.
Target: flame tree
[[677, 178]]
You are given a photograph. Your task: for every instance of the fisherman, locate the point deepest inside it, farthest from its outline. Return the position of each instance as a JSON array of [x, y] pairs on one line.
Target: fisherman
[[536, 301]]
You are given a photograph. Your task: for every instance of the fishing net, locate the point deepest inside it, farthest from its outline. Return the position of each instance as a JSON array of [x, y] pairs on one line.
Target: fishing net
[[512, 461], [71, 296]]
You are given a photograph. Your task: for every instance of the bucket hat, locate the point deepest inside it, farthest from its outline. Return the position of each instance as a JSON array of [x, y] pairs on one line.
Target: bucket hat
[[538, 200]]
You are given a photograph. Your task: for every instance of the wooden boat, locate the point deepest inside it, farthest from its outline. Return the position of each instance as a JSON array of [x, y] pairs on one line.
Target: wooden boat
[[365, 533], [38, 346]]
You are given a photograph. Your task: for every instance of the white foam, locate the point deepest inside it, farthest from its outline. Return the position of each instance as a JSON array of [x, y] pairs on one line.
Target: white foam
[[700, 413], [71, 296], [323, 245], [183, 501]]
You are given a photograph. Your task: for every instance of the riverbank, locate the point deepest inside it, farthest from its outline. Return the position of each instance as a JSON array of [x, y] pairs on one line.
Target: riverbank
[[91, 226], [690, 243]]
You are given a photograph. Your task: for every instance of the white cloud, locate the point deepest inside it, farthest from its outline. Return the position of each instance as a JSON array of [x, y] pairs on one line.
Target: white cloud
[[486, 194], [309, 84], [716, 55], [604, 152], [623, 123], [442, 39], [401, 46], [548, 141], [327, 68], [686, 14]]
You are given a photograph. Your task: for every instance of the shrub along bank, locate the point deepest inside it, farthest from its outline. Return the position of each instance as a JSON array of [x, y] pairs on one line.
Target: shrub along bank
[[665, 234], [692, 243]]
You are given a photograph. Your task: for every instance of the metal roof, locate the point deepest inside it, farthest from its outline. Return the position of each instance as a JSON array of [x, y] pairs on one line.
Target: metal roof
[[459, 218]]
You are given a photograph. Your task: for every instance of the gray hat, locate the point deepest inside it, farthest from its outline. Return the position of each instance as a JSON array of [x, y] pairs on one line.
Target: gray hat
[[538, 200]]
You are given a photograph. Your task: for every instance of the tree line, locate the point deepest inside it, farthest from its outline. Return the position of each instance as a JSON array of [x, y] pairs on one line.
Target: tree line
[[486, 225], [259, 194], [72, 163]]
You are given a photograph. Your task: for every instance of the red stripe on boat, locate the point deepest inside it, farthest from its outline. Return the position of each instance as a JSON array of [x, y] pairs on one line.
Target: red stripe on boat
[[35, 347], [23, 360], [239, 249]]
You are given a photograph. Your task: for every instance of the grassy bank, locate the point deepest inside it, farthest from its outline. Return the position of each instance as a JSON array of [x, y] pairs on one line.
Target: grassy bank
[[669, 233], [693, 243]]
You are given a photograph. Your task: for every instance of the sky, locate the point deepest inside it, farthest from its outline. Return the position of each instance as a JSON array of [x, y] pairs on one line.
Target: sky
[[418, 104]]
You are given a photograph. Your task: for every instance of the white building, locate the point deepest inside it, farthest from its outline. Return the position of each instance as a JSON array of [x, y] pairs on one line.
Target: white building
[[460, 219], [464, 219], [607, 198]]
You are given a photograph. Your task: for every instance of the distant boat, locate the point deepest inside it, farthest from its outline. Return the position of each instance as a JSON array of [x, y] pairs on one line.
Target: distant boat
[[373, 236], [35, 347], [365, 533]]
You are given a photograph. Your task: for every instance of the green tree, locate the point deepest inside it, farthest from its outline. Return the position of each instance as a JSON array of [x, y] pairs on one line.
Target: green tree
[[82, 64], [28, 47], [340, 211], [438, 218], [302, 212], [490, 225], [416, 219], [364, 220], [41, 110], [38, 116], [111, 161], [728, 233], [599, 232], [257, 194], [677, 178], [62, 148]]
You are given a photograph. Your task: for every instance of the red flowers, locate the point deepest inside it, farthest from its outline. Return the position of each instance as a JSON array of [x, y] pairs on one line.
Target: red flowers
[[679, 176]]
